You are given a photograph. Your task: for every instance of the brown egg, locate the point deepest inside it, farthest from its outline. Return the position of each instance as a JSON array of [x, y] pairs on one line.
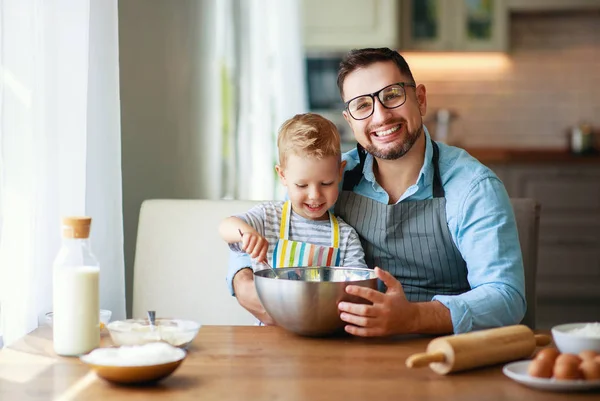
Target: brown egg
[[590, 369], [567, 371], [540, 368], [597, 359], [588, 354], [568, 358], [547, 354]]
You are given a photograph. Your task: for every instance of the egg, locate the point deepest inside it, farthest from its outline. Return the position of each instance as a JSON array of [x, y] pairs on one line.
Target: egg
[[568, 358], [547, 354], [590, 369], [597, 359], [540, 368], [567, 371], [588, 354]]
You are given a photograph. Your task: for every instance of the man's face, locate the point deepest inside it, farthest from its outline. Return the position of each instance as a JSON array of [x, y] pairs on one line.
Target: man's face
[[388, 133]]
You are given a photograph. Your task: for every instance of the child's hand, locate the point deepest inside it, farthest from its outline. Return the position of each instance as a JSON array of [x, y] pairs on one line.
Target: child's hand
[[255, 245]]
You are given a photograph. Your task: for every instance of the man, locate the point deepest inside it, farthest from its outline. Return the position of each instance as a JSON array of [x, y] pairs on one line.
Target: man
[[438, 224]]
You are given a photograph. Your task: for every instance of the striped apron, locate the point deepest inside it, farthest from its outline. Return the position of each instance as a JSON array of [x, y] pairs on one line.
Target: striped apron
[[411, 240], [289, 253]]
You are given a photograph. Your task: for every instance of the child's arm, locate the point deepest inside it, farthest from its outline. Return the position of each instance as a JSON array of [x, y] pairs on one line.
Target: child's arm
[[354, 255], [230, 228], [253, 243]]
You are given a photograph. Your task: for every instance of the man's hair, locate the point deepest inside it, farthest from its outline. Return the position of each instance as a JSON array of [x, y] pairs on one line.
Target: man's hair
[[308, 135], [360, 58]]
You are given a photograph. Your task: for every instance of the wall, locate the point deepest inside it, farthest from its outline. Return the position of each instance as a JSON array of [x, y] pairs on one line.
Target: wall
[[549, 82], [165, 49]]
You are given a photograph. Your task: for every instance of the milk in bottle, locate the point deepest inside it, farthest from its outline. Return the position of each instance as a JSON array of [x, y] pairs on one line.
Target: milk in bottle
[[76, 298]]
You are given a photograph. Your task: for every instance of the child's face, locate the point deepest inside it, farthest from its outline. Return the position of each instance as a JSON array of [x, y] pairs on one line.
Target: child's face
[[312, 184]]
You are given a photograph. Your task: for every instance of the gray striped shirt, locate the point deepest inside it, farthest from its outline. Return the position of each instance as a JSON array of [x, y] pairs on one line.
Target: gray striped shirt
[[265, 218]]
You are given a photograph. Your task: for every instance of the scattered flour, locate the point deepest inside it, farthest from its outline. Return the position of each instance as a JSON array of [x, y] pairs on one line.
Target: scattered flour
[[589, 330], [135, 355]]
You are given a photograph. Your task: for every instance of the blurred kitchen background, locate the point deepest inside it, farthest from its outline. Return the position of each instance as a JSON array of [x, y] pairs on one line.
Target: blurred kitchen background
[[206, 83]]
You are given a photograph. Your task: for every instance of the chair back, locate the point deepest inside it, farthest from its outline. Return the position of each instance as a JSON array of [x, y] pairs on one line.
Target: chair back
[[527, 215], [181, 262]]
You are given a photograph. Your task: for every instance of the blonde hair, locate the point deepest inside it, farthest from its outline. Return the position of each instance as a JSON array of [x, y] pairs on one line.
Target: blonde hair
[[308, 134]]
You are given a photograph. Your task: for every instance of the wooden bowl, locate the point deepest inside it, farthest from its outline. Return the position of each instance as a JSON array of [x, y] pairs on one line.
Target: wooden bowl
[[134, 374]]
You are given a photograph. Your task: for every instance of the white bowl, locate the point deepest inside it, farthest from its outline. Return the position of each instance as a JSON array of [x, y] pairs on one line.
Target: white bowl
[[116, 365], [571, 342], [105, 316], [177, 332]]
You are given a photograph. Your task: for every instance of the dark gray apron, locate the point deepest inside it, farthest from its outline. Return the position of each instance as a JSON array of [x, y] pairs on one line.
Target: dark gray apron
[[411, 240]]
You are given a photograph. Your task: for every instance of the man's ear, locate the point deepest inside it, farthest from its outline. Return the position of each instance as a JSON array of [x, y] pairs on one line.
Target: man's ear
[[421, 93], [349, 119], [281, 174], [346, 117]]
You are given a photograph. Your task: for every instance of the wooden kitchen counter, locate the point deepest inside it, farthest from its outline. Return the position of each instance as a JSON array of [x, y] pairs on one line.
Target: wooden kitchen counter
[[263, 363], [530, 156]]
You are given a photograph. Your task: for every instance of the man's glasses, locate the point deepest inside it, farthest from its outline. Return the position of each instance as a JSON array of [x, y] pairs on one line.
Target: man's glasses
[[390, 97]]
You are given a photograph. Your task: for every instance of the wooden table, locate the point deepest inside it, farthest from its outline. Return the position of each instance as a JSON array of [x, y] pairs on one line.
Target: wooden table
[[263, 363]]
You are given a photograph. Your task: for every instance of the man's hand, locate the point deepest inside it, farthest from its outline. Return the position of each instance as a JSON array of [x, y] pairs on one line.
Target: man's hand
[[391, 313], [245, 292]]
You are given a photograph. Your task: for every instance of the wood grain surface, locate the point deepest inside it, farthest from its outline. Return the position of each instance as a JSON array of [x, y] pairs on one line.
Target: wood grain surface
[[263, 363]]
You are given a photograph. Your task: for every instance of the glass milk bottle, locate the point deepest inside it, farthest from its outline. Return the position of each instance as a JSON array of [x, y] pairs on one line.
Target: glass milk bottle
[[76, 297]]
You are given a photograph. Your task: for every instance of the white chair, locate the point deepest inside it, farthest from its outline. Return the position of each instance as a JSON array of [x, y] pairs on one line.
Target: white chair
[[181, 262]]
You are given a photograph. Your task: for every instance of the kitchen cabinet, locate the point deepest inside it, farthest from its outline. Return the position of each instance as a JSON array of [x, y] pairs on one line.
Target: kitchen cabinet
[[568, 279], [342, 25], [460, 25], [552, 5]]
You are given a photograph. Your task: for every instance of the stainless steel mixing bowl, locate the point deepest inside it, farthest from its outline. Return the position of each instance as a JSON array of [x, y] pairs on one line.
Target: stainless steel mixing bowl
[[304, 300]]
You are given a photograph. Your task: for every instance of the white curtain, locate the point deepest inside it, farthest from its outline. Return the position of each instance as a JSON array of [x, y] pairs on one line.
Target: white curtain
[[60, 151], [262, 74]]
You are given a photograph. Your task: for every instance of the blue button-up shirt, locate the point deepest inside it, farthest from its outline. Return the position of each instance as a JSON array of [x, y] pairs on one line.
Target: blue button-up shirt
[[482, 225]]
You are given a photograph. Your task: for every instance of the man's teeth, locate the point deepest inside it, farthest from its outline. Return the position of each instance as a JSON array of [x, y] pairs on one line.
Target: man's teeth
[[388, 131]]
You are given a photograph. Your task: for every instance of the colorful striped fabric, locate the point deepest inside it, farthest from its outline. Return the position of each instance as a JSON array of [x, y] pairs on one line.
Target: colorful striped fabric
[[289, 253]]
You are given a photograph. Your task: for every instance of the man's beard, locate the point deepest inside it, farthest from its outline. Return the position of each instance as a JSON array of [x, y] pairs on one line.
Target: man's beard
[[400, 149]]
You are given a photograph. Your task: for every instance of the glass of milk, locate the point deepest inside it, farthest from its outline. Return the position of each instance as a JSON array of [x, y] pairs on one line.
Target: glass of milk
[[76, 298]]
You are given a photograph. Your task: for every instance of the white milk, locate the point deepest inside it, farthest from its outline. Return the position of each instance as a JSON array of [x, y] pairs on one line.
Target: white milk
[[76, 302]]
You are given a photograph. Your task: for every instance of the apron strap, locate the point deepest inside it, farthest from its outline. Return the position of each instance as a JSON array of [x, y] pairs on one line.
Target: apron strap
[[335, 231], [353, 177], [438, 189], [284, 227]]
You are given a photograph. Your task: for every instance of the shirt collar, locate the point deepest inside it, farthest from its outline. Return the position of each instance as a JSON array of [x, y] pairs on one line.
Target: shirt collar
[[425, 175]]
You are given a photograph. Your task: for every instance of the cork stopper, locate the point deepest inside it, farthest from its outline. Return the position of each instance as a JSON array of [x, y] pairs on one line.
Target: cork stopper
[[76, 226]]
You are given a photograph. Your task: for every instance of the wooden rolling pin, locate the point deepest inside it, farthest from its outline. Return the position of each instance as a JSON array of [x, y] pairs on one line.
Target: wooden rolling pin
[[479, 348]]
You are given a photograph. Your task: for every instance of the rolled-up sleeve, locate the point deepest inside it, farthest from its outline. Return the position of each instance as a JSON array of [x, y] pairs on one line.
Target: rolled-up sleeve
[[237, 262], [488, 240]]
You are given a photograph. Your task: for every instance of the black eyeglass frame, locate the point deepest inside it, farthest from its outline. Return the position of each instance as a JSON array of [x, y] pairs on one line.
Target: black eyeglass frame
[[376, 95]]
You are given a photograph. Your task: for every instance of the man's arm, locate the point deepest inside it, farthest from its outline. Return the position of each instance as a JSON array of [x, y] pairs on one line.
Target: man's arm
[[488, 240], [431, 318], [243, 285], [240, 280], [237, 262]]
